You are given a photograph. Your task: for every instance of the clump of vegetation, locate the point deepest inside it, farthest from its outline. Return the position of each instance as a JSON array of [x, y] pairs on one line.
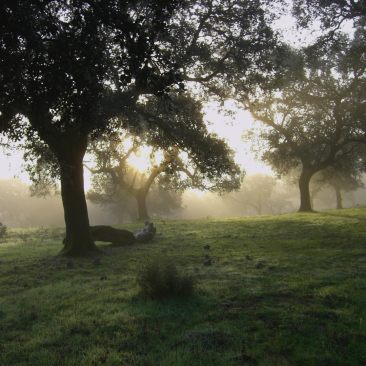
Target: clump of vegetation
[[160, 278], [23, 236], [3, 231]]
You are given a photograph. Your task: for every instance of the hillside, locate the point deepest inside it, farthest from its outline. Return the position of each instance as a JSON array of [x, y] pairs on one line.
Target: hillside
[[281, 290]]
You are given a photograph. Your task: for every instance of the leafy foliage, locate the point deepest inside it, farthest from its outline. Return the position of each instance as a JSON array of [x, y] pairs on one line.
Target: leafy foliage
[[70, 68], [331, 13], [330, 16]]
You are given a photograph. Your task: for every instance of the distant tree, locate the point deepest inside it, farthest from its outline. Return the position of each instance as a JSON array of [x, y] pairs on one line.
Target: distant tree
[[281, 200], [255, 191], [346, 178], [317, 118], [113, 199], [264, 194], [13, 194], [206, 163]]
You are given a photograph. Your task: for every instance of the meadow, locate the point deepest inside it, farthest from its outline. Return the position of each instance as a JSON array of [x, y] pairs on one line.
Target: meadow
[[281, 290]]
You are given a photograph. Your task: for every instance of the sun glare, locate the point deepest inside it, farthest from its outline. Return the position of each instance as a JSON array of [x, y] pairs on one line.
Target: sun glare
[[141, 159]]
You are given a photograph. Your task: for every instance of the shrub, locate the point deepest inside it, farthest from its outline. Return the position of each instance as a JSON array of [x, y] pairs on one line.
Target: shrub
[[3, 231], [159, 278]]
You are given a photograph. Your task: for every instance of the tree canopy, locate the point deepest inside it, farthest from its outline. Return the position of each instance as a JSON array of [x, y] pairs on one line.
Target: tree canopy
[[331, 15]]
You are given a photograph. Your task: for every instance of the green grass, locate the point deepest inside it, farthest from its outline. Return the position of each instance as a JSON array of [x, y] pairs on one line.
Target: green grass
[[308, 310]]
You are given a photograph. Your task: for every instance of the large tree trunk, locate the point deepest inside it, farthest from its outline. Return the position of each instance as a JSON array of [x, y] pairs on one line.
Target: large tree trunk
[[311, 200], [304, 181], [69, 148], [132, 213], [79, 240], [339, 197], [70, 152], [141, 204]]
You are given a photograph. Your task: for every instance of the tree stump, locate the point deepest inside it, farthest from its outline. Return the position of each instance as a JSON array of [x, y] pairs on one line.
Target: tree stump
[[146, 234]]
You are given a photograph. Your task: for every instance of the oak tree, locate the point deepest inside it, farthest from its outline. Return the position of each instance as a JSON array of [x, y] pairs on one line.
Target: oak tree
[[256, 192], [191, 157], [316, 119]]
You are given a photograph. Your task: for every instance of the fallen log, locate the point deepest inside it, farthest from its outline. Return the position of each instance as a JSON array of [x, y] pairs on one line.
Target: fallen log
[[121, 237], [117, 237]]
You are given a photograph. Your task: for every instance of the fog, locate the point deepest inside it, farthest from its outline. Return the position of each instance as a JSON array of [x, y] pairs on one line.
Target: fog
[[268, 196]]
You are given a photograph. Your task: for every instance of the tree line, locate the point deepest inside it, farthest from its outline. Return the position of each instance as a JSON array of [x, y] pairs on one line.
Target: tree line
[[260, 194]]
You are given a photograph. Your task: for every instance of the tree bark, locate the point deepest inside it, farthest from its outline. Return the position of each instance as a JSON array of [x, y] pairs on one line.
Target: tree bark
[[70, 151], [141, 204], [79, 240], [339, 197], [304, 181], [69, 147], [118, 237], [312, 200]]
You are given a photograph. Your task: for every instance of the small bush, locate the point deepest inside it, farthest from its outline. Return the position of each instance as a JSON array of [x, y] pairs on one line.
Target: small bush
[[160, 278], [3, 231]]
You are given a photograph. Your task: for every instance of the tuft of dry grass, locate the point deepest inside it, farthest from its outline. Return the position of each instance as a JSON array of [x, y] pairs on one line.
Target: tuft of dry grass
[[160, 278]]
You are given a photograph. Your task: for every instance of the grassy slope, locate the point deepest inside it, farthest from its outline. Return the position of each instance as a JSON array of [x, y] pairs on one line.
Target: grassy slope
[[309, 310]]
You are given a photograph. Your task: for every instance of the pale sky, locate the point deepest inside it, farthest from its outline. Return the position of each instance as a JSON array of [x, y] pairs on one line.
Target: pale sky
[[232, 130]]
